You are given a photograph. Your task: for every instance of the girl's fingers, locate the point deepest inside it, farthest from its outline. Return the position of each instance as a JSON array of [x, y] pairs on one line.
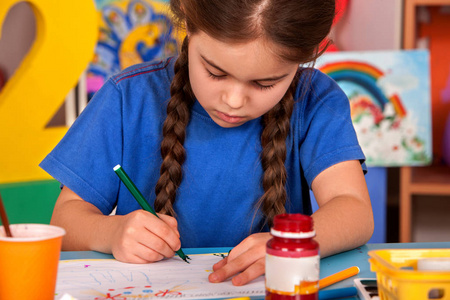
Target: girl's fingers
[[156, 244], [171, 221], [237, 251], [145, 236], [248, 257], [252, 272], [232, 267], [140, 254], [220, 264], [160, 228], [150, 255], [161, 240]]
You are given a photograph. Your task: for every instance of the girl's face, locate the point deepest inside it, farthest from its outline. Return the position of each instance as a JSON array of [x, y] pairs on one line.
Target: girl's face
[[236, 83]]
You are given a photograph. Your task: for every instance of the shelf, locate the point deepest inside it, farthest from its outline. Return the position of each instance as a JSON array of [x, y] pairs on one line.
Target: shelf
[[409, 28], [432, 180]]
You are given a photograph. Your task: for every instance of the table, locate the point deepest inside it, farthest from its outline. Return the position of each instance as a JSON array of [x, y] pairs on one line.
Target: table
[[329, 265]]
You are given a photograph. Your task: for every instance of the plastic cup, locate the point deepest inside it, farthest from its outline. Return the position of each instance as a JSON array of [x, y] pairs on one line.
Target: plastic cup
[[29, 261]]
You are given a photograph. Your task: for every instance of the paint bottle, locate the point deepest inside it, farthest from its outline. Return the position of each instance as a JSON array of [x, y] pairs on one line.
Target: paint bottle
[[292, 259]]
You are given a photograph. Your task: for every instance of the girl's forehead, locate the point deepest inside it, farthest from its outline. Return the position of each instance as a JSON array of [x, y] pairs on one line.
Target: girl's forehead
[[256, 55]]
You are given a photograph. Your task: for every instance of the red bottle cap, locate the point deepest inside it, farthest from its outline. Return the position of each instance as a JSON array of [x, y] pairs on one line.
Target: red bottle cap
[[293, 223]]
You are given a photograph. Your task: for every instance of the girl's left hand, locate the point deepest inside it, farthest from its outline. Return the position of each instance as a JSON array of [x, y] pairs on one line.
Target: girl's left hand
[[247, 259]]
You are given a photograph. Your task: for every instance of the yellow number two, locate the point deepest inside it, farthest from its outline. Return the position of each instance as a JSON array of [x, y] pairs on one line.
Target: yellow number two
[[66, 35]]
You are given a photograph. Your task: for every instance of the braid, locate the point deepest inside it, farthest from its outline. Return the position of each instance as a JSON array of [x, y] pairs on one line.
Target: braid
[[174, 131], [276, 125]]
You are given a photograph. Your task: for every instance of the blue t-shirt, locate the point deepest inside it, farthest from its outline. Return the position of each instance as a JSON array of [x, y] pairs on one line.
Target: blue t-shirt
[[221, 183]]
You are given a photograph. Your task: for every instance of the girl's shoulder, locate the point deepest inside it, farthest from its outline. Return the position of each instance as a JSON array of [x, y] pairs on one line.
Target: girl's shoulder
[[315, 86], [142, 86], [314, 78], [161, 71], [319, 96]]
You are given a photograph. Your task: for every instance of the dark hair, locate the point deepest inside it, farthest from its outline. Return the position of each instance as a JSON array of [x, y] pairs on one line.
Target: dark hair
[[296, 28]]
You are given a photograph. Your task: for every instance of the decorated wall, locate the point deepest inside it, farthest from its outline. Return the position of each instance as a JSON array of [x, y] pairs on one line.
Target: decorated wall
[[130, 32]]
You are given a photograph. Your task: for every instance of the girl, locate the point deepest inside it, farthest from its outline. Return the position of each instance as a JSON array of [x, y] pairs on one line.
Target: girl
[[219, 140]]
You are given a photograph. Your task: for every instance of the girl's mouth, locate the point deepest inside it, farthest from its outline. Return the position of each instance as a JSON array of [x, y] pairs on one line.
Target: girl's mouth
[[229, 119]]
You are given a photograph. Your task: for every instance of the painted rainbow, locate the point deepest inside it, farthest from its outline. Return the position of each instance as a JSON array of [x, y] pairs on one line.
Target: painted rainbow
[[366, 76]]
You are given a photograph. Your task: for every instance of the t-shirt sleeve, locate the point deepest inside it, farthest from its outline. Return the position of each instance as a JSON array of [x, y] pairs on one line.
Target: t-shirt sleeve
[[328, 135], [84, 159]]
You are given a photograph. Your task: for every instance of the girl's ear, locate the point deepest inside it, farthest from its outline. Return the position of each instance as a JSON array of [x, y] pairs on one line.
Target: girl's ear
[[188, 34], [187, 31]]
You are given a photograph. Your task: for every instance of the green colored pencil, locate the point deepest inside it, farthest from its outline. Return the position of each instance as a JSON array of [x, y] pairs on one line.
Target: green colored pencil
[[141, 200]]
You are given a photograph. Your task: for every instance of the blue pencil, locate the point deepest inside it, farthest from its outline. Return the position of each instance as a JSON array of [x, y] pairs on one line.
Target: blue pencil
[[338, 293]]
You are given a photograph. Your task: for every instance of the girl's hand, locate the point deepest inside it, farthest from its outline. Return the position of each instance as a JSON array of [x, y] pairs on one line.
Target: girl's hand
[[247, 259], [138, 237], [141, 237]]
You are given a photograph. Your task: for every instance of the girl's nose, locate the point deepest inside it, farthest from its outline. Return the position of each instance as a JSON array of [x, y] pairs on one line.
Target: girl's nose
[[235, 97]]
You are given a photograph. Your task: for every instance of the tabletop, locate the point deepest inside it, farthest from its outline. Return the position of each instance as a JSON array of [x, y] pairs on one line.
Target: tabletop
[[328, 265]]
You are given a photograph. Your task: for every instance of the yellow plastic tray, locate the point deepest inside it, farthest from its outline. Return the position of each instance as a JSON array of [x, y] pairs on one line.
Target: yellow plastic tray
[[399, 279]]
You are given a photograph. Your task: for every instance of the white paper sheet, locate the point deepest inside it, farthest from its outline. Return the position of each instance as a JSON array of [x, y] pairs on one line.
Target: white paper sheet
[[99, 279]]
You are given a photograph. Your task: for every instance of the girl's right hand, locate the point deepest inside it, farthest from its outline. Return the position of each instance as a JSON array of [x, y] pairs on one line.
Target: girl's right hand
[[141, 237], [138, 237]]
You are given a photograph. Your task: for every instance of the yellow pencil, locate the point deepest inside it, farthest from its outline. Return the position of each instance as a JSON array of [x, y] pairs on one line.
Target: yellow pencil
[[339, 276]]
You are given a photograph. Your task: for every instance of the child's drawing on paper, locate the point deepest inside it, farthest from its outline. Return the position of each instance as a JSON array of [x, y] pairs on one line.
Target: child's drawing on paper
[[389, 93], [170, 278]]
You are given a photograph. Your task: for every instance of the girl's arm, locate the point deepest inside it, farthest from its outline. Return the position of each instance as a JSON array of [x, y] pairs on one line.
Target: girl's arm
[[343, 221], [138, 237]]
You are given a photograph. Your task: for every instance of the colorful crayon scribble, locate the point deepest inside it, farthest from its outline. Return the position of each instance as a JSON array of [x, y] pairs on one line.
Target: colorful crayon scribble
[[169, 278], [113, 297]]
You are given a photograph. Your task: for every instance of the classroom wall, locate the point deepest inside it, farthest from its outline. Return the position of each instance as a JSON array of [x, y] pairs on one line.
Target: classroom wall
[[370, 25], [366, 25]]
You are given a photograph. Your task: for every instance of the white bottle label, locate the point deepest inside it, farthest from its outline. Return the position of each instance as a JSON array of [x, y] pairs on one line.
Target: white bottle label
[[285, 274]]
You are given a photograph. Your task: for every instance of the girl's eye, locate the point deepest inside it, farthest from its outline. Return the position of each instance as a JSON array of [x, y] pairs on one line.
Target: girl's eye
[[214, 76], [264, 87], [260, 86]]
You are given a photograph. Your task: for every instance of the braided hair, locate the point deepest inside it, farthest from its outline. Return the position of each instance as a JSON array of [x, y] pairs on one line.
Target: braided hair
[[296, 27]]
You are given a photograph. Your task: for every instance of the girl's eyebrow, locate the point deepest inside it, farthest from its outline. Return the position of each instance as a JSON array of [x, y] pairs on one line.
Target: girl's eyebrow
[[274, 78], [212, 64]]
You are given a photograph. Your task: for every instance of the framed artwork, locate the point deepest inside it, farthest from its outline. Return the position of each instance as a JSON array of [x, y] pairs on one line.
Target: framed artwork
[[389, 94]]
